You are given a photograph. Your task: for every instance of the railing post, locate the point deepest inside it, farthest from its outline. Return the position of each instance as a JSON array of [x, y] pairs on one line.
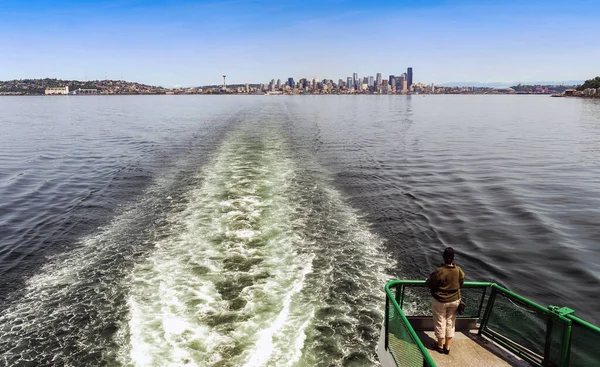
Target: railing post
[[560, 314], [400, 295], [386, 321], [566, 349], [488, 310], [481, 303], [548, 343]]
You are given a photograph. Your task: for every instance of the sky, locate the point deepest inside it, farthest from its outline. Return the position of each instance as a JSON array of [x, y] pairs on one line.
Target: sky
[[192, 43]]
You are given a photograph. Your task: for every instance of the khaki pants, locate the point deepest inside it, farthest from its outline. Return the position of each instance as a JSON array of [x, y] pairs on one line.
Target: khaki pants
[[444, 318]]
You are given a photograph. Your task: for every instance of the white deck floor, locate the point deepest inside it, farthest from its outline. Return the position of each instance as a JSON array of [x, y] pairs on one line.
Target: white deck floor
[[469, 349]]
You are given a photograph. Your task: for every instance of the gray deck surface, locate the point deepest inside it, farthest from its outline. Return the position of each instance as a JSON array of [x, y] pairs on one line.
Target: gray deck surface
[[470, 350]]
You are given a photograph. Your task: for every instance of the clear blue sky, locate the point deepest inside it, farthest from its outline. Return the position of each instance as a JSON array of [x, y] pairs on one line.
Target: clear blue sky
[[193, 42]]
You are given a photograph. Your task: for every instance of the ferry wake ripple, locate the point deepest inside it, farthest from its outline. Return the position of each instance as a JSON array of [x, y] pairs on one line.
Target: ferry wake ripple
[[260, 267]]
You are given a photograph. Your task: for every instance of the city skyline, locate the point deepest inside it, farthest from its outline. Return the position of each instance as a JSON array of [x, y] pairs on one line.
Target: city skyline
[[196, 42]]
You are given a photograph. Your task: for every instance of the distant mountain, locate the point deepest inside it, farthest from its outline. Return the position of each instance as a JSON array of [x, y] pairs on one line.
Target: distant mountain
[[505, 85]]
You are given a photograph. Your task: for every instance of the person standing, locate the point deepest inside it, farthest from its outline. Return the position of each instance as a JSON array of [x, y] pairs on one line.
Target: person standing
[[445, 283]]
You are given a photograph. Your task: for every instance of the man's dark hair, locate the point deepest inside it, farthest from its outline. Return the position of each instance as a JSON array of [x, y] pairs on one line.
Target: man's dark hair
[[448, 255]]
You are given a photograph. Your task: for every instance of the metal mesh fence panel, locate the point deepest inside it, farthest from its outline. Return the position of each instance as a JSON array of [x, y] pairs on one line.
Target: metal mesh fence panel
[[473, 298], [417, 301], [585, 346], [400, 343], [521, 326]]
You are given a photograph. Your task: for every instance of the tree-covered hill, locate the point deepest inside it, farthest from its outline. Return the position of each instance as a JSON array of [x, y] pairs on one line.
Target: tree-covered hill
[[590, 83]]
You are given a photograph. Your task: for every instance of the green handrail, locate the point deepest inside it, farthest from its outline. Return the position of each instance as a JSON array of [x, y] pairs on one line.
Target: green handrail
[[584, 323]]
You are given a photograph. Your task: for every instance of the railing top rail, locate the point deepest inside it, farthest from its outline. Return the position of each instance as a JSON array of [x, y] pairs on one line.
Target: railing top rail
[[477, 285], [392, 283], [577, 320], [528, 302]]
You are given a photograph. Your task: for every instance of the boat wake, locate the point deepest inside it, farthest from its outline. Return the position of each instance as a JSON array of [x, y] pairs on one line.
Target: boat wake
[[260, 263]]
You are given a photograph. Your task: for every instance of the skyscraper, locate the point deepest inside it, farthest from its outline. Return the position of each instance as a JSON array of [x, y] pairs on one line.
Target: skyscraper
[[409, 77], [355, 80], [291, 82], [403, 84], [371, 81], [378, 80], [350, 83]]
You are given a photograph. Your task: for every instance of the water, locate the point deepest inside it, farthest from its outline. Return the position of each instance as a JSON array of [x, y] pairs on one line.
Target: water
[[258, 231]]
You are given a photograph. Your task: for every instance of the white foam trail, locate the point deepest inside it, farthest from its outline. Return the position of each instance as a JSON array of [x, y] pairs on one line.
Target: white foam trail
[[263, 349], [68, 306], [219, 288]]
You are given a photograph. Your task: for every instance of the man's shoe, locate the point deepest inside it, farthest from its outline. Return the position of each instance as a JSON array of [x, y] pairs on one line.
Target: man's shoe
[[437, 348]]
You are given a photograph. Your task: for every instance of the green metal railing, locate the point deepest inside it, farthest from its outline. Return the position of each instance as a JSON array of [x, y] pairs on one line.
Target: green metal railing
[[542, 336]]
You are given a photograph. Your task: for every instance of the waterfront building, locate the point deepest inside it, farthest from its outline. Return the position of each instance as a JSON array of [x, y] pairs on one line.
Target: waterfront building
[[291, 82], [278, 84], [355, 81], [350, 83], [378, 80], [385, 86], [371, 82], [57, 90], [84, 91], [409, 76]]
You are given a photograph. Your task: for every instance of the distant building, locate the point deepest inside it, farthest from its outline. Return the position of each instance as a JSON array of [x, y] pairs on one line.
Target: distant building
[[371, 81], [378, 80], [84, 91], [291, 82], [504, 90], [403, 83], [57, 90], [409, 76], [350, 83], [355, 80]]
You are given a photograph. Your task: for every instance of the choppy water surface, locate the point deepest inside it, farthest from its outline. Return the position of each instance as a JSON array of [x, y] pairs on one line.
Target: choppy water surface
[[258, 231]]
